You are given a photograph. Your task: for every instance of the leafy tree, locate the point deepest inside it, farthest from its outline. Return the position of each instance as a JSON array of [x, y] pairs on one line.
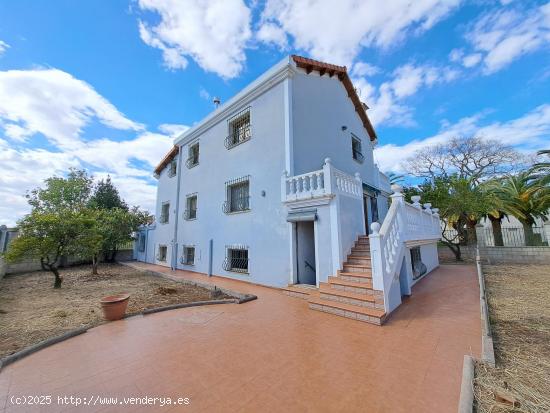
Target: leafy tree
[[48, 236], [524, 198], [106, 196]]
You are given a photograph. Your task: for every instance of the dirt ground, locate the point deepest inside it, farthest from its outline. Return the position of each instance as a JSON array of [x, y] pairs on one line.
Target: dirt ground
[[519, 307], [31, 310]]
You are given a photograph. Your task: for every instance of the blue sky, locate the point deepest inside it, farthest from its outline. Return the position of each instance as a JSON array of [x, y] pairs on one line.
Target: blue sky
[[106, 88]]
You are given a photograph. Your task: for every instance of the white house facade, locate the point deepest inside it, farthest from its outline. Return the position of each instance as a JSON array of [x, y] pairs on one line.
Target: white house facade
[[278, 187]]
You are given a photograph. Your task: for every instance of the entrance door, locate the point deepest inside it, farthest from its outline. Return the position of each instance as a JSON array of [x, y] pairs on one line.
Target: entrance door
[[366, 203], [305, 253]]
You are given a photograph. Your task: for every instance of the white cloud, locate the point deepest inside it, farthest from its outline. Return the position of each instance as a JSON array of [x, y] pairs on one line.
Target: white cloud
[[336, 32], [528, 132], [387, 102], [173, 129], [204, 94], [471, 60], [501, 36], [3, 47], [54, 103], [271, 33], [364, 69], [213, 33]]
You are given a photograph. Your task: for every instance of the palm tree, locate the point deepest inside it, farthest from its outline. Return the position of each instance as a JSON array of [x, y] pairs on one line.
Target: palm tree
[[541, 170], [522, 197]]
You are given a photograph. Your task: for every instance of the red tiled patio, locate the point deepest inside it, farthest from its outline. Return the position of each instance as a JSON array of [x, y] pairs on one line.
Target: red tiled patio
[[271, 354]]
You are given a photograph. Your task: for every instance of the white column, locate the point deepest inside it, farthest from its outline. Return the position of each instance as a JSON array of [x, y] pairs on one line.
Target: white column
[[376, 254], [327, 172], [289, 139]]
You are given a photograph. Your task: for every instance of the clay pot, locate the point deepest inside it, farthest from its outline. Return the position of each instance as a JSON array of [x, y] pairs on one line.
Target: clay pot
[[114, 306]]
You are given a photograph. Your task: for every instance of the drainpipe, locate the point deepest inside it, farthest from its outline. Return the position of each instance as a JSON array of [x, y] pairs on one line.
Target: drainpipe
[[175, 244]]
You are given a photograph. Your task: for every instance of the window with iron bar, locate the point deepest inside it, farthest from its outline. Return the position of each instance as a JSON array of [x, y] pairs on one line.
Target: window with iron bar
[[237, 193], [162, 253], [188, 255], [357, 149], [236, 259], [239, 129], [191, 207], [165, 213], [173, 168], [193, 159], [142, 239]]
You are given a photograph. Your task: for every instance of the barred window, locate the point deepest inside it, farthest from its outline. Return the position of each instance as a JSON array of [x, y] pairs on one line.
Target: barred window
[[237, 195], [162, 253], [188, 255], [191, 207], [239, 129], [356, 148], [193, 158], [142, 240], [165, 213], [236, 259], [173, 168]]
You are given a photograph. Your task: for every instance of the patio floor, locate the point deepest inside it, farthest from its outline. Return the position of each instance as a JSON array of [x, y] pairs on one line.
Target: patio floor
[[271, 354]]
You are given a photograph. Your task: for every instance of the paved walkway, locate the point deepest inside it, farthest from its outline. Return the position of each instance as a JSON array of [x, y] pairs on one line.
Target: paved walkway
[[269, 355]]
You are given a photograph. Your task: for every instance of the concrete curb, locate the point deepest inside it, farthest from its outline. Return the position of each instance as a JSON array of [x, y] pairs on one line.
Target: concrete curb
[[487, 349], [41, 345], [241, 298], [185, 305], [466, 402]]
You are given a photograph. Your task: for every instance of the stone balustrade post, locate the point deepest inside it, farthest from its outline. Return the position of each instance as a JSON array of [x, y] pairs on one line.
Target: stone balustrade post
[[376, 257], [327, 172], [416, 201]]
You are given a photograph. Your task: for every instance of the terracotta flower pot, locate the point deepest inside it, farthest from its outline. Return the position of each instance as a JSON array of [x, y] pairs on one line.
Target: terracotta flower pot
[[114, 306]]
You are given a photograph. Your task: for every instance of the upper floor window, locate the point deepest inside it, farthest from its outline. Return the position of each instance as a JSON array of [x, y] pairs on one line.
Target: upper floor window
[[165, 213], [356, 149], [191, 207], [188, 255], [161, 256], [173, 168], [193, 159], [237, 192], [239, 129]]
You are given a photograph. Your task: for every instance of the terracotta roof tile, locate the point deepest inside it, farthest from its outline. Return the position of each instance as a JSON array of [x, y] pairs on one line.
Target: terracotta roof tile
[[167, 159]]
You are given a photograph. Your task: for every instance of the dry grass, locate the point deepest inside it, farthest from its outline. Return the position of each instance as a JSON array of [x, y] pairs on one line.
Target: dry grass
[[32, 311], [519, 307]]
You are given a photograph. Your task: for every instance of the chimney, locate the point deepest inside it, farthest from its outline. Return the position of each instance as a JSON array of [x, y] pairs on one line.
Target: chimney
[[216, 101]]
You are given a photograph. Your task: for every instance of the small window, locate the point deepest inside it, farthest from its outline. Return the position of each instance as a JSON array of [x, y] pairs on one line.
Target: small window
[[239, 129], [191, 207], [356, 149], [165, 213], [141, 245], [173, 168], [237, 195], [419, 268], [162, 253], [236, 259], [193, 159], [189, 255]]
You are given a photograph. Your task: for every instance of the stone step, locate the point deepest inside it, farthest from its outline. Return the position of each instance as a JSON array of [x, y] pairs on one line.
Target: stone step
[[355, 312], [359, 277], [298, 291], [357, 268], [348, 297], [359, 252], [352, 286], [354, 260]]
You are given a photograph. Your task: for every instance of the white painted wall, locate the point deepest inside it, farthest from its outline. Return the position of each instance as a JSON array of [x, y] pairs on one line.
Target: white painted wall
[[164, 233]]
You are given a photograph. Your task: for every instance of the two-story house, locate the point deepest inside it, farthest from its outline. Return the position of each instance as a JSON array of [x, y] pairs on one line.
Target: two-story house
[[277, 186]]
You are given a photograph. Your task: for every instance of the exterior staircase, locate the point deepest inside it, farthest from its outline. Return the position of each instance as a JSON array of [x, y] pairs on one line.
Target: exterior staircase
[[349, 293]]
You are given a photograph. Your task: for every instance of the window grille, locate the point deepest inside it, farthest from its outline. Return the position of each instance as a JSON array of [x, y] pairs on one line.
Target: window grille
[[193, 159], [236, 259], [191, 207], [188, 255], [237, 195], [142, 240], [162, 253], [173, 168], [239, 129], [165, 213], [356, 149]]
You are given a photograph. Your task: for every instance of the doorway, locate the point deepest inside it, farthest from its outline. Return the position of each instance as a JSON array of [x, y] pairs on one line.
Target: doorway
[[305, 253]]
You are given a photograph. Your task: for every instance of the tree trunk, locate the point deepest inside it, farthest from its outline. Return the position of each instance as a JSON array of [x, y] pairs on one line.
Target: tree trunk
[[497, 230], [528, 232], [58, 279], [94, 264], [455, 248]]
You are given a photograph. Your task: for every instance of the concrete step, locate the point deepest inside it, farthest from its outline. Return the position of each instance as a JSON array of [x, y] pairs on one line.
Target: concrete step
[[355, 312], [359, 277], [354, 260], [352, 286], [357, 268], [300, 291], [348, 297], [359, 253]]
